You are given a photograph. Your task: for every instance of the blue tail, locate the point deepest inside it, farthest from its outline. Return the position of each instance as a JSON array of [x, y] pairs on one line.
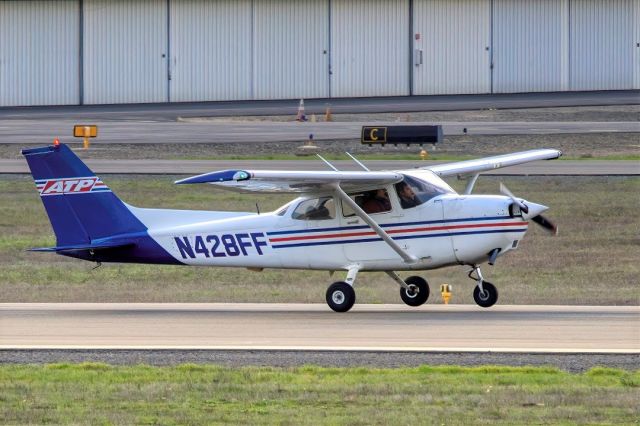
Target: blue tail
[[80, 206], [89, 221]]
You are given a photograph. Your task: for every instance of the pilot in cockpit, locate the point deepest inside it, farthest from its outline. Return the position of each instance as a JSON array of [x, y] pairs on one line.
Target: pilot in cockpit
[[408, 197]]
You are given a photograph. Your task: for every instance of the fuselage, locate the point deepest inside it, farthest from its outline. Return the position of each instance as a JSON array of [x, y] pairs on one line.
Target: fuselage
[[446, 229]]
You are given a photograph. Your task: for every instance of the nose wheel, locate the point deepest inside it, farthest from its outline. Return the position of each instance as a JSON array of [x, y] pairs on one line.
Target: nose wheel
[[485, 294], [486, 297]]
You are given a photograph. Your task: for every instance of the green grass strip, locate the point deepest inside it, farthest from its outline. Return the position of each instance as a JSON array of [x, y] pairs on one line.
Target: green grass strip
[[93, 393]]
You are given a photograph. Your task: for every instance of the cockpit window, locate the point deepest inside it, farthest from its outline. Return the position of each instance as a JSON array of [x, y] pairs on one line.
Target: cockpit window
[[412, 191], [376, 201], [315, 209]]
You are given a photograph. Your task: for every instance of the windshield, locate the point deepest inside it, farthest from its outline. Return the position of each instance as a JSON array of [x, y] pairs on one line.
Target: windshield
[[413, 191]]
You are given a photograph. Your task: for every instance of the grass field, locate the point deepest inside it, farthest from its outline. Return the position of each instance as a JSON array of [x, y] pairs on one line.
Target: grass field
[[203, 394], [594, 260]]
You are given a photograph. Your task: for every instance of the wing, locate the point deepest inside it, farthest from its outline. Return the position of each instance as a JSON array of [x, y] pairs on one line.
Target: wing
[[491, 163], [270, 181]]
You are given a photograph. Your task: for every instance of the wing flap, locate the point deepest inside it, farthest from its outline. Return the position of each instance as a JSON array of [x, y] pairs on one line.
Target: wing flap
[[492, 163]]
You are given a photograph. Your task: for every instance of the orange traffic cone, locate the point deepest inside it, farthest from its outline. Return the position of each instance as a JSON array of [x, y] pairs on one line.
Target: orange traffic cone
[[327, 114]]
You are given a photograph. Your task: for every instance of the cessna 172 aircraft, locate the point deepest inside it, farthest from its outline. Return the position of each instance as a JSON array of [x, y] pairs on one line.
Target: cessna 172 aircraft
[[352, 221]]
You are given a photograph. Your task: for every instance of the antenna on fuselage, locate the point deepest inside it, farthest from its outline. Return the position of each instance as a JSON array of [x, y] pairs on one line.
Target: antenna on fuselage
[[358, 162], [335, 169]]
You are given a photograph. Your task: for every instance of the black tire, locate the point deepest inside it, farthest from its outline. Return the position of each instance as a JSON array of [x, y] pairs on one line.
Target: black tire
[[488, 298], [340, 296], [420, 294]]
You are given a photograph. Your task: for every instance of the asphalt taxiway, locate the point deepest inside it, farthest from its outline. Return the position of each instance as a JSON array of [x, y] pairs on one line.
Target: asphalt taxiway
[[572, 338], [170, 111], [462, 328], [174, 167], [230, 131]]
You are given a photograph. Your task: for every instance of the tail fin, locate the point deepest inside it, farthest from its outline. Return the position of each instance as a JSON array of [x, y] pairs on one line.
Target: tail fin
[[80, 206]]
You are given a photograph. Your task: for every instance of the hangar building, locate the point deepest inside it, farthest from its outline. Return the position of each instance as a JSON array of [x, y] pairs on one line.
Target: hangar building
[[58, 52]]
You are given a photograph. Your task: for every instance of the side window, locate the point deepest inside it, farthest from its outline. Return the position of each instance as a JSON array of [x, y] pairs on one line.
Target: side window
[[315, 209], [376, 201]]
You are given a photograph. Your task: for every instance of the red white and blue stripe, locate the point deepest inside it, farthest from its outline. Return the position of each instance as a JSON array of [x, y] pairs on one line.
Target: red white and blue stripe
[[398, 231]]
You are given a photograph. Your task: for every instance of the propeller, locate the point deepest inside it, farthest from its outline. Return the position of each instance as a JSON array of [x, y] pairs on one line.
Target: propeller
[[546, 224], [531, 211]]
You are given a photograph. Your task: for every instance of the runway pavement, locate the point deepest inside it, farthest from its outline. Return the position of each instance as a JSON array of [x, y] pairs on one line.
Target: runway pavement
[[169, 111], [174, 167], [30, 130], [314, 327]]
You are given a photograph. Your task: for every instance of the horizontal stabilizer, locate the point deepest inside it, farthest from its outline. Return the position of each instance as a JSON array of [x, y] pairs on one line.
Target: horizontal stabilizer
[[81, 247]]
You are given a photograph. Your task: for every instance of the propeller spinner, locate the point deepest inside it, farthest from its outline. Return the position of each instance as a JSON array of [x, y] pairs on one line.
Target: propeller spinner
[[531, 211]]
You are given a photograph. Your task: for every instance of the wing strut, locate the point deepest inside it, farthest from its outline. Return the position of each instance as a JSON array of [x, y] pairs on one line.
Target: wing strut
[[378, 230], [358, 162]]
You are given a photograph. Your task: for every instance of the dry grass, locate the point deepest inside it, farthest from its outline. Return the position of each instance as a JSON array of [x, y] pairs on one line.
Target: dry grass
[[592, 261]]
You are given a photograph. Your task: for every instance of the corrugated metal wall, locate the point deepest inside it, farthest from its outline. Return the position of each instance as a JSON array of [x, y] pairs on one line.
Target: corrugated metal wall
[[636, 43], [369, 48], [454, 42], [530, 46], [601, 44], [125, 48], [39, 53], [291, 49], [211, 50]]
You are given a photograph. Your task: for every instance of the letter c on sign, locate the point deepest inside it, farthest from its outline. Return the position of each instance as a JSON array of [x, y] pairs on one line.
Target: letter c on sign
[[373, 134]]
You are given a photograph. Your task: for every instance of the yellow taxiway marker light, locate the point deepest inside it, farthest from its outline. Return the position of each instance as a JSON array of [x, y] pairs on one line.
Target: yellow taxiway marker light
[[445, 289], [85, 131]]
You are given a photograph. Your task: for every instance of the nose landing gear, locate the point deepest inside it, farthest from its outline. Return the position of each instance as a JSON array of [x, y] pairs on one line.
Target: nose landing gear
[[485, 294]]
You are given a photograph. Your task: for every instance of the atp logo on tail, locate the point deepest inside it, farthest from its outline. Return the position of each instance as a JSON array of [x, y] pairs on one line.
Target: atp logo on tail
[[68, 186]]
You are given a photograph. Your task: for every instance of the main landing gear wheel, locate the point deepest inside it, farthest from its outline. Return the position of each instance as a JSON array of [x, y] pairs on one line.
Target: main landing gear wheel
[[486, 298], [341, 296], [417, 293]]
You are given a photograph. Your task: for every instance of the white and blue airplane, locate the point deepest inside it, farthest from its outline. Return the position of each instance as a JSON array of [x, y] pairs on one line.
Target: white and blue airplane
[[351, 221]]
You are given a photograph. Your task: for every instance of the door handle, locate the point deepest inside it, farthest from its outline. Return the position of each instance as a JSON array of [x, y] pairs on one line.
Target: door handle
[[351, 222]]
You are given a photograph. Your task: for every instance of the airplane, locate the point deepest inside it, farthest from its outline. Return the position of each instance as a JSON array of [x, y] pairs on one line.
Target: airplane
[[350, 221]]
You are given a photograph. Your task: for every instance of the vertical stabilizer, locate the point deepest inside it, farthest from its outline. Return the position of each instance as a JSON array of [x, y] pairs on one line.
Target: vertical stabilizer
[[80, 206]]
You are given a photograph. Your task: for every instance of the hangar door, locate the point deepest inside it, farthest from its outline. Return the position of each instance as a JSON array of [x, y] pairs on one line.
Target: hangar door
[[210, 50], [291, 49], [636, 55], [602, 44], [369, 48], [39, 53], [125, 51], [530, 46], [451, 44]]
